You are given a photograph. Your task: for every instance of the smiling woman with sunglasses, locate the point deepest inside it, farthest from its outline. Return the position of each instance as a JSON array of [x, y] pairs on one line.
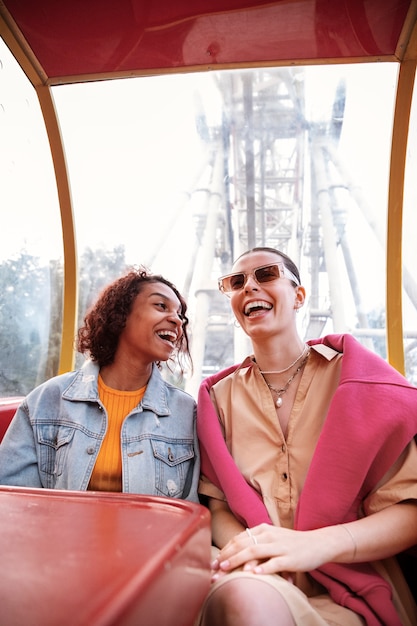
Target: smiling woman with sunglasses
[[309, 468]]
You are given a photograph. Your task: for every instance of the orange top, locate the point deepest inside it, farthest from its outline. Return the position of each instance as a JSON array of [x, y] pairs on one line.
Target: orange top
[[107, 472]]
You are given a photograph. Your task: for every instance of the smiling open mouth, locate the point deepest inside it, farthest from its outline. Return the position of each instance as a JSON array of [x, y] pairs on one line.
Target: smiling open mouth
[[257, 305], [167, 335]]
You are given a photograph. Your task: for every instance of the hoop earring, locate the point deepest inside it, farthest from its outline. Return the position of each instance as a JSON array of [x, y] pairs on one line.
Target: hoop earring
[[236, 324]]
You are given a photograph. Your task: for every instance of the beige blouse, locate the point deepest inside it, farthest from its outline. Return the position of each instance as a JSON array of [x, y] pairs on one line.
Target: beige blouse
[[276, 466]]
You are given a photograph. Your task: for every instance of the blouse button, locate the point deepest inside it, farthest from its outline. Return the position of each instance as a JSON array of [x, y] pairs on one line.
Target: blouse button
[[283, 447], [284, 476]]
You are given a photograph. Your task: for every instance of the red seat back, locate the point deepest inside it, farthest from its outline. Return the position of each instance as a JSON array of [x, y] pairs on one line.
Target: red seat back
[[8, 408]]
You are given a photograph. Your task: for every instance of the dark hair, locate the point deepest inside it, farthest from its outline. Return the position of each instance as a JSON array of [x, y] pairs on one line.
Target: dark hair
[[289, 263], [105, 321]]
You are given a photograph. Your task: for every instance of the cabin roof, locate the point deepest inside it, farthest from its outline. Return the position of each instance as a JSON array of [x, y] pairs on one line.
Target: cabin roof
[[96, 39]]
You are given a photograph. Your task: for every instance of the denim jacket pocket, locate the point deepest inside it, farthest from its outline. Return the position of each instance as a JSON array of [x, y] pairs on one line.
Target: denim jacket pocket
[[53, 442], [173, 462]]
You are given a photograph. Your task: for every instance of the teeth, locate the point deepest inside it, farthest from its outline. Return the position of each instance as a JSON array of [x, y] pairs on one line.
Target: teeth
[[167, 334], [257, 304]]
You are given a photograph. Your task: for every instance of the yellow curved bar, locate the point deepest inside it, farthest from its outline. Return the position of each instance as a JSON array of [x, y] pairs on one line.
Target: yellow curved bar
[[70, 295], [394, 321]]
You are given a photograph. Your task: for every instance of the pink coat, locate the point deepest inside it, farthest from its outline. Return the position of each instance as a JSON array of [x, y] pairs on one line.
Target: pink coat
[[371, 419]]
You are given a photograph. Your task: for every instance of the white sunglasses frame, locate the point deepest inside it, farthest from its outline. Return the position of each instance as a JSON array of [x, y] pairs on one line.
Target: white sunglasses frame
[[284, 272]]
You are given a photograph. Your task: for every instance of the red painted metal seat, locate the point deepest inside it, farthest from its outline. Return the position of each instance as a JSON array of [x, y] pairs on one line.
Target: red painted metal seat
[[8, 408]]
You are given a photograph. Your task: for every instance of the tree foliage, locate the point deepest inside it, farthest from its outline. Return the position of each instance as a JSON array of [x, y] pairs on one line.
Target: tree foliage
[[31, 305], [24, 320]]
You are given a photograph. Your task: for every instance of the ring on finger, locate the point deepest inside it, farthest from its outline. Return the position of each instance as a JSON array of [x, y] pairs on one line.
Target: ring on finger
[[254, 539]]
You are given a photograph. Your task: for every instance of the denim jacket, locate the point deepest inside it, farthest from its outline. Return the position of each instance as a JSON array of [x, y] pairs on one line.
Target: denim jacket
[[55, 436]]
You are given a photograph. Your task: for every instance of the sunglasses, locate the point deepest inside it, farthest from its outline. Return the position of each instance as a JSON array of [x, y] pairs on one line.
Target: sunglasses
[[264, 274]]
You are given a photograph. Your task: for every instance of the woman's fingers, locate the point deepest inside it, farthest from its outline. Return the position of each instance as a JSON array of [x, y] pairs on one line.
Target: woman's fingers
[[216, 575], [268, 549], [243, 550]]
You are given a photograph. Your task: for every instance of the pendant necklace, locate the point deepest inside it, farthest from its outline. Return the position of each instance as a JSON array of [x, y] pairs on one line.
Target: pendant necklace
[[280, 392], [289, 366]]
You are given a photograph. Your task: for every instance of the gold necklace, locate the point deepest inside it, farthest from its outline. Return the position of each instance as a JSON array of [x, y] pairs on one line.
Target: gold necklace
[[280, 392], [290, 365]]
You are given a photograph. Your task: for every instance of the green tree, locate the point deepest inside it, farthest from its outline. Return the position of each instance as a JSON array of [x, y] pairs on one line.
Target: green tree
[[31, 302], [26, 299]]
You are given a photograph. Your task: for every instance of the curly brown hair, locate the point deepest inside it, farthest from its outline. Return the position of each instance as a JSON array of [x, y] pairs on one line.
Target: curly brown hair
[[105, 321]]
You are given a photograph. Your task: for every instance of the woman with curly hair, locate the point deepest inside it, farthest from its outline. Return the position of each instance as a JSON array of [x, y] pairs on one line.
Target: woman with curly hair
[[114, 424]]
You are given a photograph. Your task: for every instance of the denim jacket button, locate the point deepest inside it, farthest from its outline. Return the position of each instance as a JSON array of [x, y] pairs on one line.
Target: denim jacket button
[[90, 450]]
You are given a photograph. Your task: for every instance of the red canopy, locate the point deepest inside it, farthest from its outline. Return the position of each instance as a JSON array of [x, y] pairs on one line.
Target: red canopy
[[103, 38]]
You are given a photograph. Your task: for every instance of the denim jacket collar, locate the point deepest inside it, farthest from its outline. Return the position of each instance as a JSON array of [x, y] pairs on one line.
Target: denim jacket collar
[[84, 387]]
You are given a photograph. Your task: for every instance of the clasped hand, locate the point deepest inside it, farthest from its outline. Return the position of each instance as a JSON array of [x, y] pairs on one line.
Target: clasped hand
[[270, 549]]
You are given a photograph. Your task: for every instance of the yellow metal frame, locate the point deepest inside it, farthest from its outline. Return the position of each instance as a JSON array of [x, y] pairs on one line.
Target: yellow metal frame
[[70, 295], [38, 78], [394, 310]]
